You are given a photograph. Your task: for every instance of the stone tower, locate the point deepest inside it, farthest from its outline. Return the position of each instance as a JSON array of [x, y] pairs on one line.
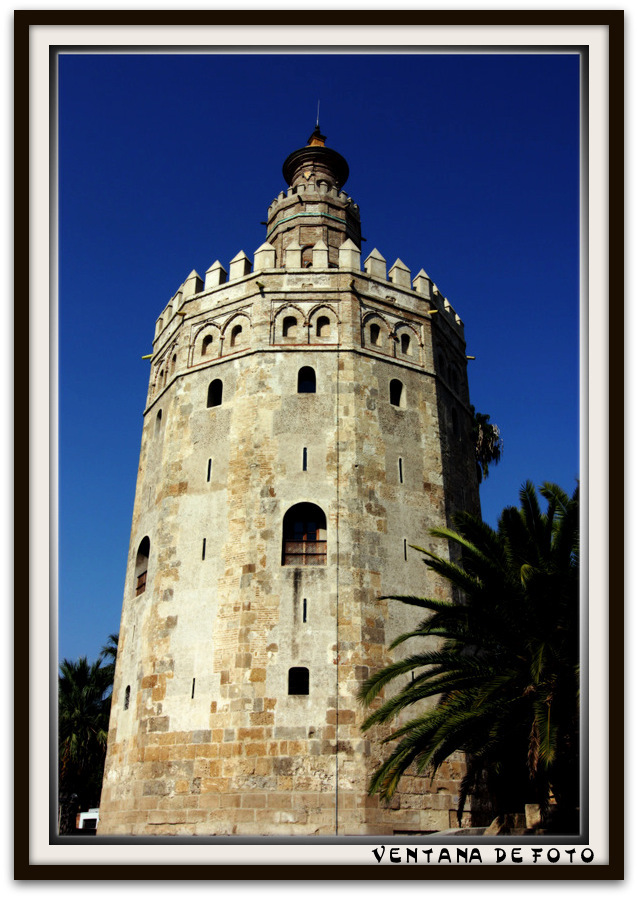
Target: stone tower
[[306, 422]]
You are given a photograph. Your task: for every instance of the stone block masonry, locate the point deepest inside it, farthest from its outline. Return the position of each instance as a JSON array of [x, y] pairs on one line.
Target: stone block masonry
[[304, 425]]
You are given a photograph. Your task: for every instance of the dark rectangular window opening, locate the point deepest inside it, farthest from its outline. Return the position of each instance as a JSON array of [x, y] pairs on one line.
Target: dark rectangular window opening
[[210, 465], [305, 610], [304, 464], [400, 470], [405, 550], [203, 549], [193, 689], [298, 681]]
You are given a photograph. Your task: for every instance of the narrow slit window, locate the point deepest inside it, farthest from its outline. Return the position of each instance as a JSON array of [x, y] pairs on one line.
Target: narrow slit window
[[158, 422], [455, 423], [298, 681], [193, 689], [127, 697], [405, 550], [304, 459], [305, 611], [400, 470], [209, 469], [203, 549]]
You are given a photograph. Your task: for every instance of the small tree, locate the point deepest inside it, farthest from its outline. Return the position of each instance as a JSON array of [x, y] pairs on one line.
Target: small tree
[[488, 443]]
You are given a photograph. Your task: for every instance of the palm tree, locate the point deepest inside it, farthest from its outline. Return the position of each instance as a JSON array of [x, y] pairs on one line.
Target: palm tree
[[488, 443], [505, 672], [83, 719], [109, 651]]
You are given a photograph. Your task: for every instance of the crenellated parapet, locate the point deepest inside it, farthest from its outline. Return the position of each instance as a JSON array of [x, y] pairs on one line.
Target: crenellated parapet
[[200, 311]]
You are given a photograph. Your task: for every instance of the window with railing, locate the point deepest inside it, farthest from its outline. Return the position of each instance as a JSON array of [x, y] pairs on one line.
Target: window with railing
[[304, 536], [141, 565]]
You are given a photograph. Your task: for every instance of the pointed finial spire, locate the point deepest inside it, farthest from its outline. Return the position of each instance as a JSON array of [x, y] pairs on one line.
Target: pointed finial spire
[[317, 139]]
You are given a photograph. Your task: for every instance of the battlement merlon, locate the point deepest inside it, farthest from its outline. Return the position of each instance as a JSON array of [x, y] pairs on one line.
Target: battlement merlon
[[222, 283]]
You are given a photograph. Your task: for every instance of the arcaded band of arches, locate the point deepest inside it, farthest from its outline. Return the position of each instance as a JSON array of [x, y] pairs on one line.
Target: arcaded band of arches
[[304, 535]]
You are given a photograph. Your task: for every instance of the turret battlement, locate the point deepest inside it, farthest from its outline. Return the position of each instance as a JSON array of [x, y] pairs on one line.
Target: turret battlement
[[320, 190]]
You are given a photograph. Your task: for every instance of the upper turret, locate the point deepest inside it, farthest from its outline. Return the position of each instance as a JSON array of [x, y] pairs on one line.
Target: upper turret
[[314, 208], [316, 162]]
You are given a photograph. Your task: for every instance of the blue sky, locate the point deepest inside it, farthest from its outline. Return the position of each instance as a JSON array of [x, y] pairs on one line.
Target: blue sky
[[465, 165]]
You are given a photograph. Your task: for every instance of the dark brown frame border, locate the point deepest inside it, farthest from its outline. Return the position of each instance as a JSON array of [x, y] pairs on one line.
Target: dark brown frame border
[[613, 20]]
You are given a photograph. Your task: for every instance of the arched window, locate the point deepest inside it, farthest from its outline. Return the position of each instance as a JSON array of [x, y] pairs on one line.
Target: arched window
[[304, 535], [173, 363], [323, 326], [214, 394], [306, 380], [206, 343], [375, 334], [141, 566], [235, 336], [290, 326], [397, 394], [298, 681], [158, 422], [405, 344]]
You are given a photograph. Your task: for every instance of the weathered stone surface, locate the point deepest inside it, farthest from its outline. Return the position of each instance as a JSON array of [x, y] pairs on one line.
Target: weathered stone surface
[[211, 741]]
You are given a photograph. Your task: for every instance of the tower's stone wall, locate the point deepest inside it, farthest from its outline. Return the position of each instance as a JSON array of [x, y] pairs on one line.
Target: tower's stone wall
[[205, 737]]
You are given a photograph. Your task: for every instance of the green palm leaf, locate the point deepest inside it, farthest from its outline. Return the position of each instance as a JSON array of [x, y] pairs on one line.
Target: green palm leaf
[[504, 674]]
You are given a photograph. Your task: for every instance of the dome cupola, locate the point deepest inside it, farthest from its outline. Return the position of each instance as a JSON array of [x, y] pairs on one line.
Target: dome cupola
[[316, 162]]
